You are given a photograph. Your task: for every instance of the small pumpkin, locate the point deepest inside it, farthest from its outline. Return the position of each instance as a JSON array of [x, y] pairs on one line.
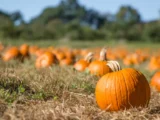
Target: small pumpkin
[[155, 81], [45, 60], [33, 49], [24, 50], [122, 89], [99, 67], [154, 63], [82, 64], [11, 53], [66, 61], [60, 55]]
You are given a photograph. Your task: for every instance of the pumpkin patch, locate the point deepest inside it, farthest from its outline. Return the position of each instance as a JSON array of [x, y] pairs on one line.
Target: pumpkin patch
[[104, 79]]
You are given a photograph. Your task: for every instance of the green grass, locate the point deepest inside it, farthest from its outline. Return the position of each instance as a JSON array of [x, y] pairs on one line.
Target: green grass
[[58, 92], [61, 92], [83, 44]]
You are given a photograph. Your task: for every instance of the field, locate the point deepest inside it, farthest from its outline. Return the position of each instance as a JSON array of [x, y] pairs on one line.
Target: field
[[61, 92]]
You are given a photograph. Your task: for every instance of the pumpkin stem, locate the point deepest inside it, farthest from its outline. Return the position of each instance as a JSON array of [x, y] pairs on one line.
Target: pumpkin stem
[[103, 56], [89, 57], [114, 65]]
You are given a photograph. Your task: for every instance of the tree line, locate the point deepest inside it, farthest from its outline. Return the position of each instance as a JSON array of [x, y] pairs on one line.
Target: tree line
[[73, 21]]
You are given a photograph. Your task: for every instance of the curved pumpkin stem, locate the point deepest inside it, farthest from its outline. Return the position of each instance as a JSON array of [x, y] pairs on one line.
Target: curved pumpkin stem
[[114, 65], [89, 57], [103, 56]]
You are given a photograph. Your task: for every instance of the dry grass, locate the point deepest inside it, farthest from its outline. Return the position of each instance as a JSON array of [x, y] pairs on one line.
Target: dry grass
[[58, 93]]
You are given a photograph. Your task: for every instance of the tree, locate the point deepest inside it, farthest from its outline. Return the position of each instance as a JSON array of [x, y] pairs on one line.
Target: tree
[[17, 17], [128, 15], [151, 31]]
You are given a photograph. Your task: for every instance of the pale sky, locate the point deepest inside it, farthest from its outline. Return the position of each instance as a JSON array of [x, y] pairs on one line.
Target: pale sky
[[149, 9]]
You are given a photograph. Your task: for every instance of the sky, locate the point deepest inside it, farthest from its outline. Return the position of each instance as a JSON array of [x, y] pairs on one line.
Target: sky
[[148, 9]]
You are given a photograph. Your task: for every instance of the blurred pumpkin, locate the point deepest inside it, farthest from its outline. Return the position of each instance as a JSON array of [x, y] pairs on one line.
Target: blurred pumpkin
[[154, 63], [82, 64], [155, 81], [60, 55], [24, 50], [99, 67], [40, 51], [11, 53], [69, 54], [45, 60], [33, 49], [66, 61], [122, 89]]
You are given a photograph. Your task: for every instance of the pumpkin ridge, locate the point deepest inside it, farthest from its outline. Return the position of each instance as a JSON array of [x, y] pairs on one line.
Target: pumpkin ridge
[[127, 99], [110, 105], [146, 95], [116, 89], [105, 96], [143, 82], [135, 85], [102, 68], [139, 75], [120, 89]]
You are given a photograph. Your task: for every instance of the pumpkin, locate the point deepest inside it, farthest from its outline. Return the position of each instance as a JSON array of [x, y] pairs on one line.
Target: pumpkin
[[122, 89], [11, 53], [24, 50], [99, 67], [155, 81], [40, 51], [82, 64], [69, 54], [66, 61], [154, 63], [60, 55], [45, 60], [33, 49]]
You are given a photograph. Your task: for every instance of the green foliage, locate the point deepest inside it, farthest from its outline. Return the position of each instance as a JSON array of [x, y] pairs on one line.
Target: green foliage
[[72, 21], [151, 31], [127, 15]]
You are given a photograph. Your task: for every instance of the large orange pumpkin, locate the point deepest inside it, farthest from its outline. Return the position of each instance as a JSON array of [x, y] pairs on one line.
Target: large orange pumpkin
[[45, 60], [82, 64], [99, 67], [155, 81], [11, 53], [122, 89]]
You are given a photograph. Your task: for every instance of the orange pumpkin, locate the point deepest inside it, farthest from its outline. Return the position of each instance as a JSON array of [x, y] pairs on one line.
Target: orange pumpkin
[[155, 81], [66, 61], [69, 54], [40, 51], [122, 89], [33, 49], [24, 50], [154, 63], [99, 67], [82, 64], [11, 53], [60, 55], [45, 60]]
